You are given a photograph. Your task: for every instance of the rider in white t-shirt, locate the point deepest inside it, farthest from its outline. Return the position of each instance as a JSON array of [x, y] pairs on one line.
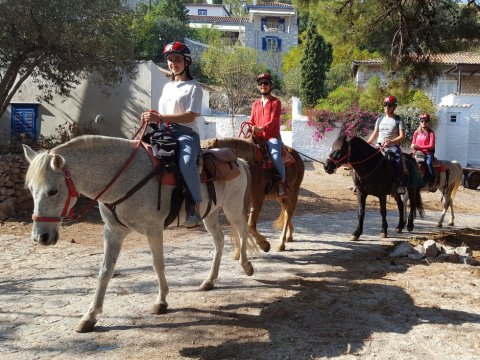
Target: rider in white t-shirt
[[389, 132], [180, 105]]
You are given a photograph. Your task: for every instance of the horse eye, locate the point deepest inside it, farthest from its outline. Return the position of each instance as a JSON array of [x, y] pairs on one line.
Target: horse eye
[[52, 192]]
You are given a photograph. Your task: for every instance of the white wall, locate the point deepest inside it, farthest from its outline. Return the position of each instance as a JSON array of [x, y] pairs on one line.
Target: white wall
[[461, 140], [218, 10]]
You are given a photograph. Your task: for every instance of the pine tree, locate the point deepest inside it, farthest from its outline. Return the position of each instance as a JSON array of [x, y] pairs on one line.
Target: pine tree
[[315, 63]]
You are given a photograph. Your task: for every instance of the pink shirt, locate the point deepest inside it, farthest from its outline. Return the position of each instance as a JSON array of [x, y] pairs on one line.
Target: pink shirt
[[267, 116], [425, 141]]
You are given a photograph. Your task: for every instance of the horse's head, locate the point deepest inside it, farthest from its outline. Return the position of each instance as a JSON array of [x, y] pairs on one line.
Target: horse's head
[[52, 196], [338, 155]]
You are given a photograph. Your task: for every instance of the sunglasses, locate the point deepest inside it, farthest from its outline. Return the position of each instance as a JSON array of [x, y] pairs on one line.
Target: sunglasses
[[389, 105], [263, 83], [423, 120]]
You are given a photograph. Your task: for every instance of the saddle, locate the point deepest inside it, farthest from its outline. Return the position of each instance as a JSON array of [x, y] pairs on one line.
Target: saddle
[[215, 164], [263, 157], [438, 167]]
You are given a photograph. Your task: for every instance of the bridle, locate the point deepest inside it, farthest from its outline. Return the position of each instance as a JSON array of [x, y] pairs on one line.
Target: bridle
[[73, 193], [346, 157]]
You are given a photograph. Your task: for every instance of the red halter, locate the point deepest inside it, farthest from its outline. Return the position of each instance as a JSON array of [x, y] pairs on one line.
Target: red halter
[[72, 193]]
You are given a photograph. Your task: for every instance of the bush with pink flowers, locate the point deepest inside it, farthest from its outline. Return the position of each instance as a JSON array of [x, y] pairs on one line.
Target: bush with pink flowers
[[354, 121]]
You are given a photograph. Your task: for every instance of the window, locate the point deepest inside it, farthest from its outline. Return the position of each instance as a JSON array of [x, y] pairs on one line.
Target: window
[[445, 87], [453, 118], [202, 12], [24, 120], [271, 43]]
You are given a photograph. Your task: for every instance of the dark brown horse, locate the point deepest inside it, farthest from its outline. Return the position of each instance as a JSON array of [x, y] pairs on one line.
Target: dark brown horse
[[264, 186], [373, 175]]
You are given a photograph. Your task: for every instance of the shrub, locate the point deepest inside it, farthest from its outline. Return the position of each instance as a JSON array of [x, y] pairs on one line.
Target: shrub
[[65, 132], [323, 121]]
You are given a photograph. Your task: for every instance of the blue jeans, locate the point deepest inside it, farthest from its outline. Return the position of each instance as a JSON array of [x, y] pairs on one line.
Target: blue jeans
[[189, 143], [274, 146], [397, 156], [429, 167]]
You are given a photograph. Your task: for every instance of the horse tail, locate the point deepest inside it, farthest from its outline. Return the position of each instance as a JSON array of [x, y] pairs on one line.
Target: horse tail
[[252, 246], [280, 220]]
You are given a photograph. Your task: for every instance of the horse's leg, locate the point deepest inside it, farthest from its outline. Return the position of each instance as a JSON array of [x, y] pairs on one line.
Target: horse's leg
[[361, 200], [237, 221], [401, 204], [256, 207], [155, 240], [213, 227], [112, 240], [447, 203], [383, 213], [412, 194]]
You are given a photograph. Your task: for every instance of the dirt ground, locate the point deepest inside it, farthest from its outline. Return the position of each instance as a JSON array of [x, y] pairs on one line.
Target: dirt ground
[[324, 297]]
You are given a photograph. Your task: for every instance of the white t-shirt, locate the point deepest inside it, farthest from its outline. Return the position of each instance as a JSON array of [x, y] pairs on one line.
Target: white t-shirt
[[182, 96], [388, 128]]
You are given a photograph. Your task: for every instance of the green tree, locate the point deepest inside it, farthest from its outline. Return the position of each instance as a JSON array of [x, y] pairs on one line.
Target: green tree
[[154, 28], [398, 29], [234, 70], [315, 64], [60, 42]]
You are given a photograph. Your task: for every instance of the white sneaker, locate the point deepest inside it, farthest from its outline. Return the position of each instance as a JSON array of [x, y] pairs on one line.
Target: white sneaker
[[401, 190]]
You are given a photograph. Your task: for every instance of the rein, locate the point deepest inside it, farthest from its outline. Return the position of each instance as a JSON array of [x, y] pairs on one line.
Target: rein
[[72, 192]]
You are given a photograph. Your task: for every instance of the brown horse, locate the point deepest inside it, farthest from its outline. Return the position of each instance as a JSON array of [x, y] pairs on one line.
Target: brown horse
[[264, 187]]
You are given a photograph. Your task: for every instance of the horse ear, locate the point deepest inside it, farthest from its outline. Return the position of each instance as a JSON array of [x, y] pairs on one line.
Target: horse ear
[[29, 153], [57, 162]]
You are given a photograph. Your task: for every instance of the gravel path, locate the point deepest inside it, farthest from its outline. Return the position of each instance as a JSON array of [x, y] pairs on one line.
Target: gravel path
[[324, 297]]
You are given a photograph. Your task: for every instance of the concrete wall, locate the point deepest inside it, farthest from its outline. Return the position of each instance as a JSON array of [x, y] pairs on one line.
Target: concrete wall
[[459, 140], [115, 114]]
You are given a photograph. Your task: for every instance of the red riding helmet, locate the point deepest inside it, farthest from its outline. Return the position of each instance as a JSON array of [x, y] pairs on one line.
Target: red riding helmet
[[390, 100], [425, 117], [176, 47], [265, 76]]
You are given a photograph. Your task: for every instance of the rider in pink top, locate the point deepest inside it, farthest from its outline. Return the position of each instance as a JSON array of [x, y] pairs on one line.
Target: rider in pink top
[[424, 141]]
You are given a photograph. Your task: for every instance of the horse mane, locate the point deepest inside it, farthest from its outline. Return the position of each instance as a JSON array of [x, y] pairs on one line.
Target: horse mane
[[243, 148], [37, 169]]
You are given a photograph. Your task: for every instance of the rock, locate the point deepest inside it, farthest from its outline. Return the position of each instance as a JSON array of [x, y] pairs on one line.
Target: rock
[[431, 249], [469, 261], [454, 258], [442, 257], [402, 250], [416, 255], [7, 208], [463, 251], [419, 248]]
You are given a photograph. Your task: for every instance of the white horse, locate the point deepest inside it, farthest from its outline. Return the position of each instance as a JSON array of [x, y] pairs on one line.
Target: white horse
[[84, 166], [448, 182]]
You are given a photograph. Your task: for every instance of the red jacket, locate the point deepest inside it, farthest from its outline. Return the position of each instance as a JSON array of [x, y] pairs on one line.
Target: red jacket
[[267, 116], [425, 141]]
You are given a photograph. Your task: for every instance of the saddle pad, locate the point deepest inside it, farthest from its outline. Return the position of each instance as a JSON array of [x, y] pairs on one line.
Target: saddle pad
[[439, 167], [220, 164], [287, 158]]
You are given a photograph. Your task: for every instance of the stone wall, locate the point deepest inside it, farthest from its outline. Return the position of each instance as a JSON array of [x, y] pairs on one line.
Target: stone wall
[[15, 199]]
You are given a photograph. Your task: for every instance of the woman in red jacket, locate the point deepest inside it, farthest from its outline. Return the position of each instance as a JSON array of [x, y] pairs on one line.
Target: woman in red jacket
[[424, 141], [265, 120]]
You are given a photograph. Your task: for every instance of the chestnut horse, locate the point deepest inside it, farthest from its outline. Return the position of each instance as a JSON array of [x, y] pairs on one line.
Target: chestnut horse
[[373, 175], [264, 187]]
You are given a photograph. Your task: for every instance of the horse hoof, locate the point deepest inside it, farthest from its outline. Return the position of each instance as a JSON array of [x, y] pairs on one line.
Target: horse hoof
[[451, 224], [248, 268], [398, 230], [281, 247], [383, 235], [355, 238], [206, 286], [158, 309], [409, 228], [289, 239], [439, 225], [85, 326], [265, 246]]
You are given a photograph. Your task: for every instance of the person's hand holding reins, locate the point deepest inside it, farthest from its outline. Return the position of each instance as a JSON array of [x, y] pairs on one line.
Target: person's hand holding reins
[[257, 129], [151, 116]]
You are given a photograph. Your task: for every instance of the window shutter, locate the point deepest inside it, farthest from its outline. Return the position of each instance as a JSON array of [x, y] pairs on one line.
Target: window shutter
[[262, 23], [264, 43], [279, 44]]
